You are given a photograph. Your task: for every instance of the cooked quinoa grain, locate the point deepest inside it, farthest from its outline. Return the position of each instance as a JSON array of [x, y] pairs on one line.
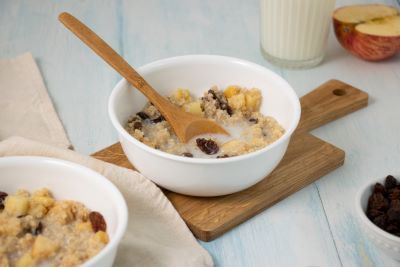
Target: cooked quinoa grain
[[36, 230]]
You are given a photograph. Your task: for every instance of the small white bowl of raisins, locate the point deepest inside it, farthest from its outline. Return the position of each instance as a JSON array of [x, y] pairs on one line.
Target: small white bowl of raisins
[[378, 207]]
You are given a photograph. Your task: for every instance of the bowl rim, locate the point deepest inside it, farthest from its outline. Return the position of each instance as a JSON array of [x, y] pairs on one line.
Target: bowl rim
[[92, 175], [291, 94], [361, 214]]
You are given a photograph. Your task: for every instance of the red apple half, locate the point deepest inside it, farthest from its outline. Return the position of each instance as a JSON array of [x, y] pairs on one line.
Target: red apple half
[[371, 32]]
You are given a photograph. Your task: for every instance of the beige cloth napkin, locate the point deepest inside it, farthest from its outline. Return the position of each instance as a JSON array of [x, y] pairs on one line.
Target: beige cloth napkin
[[25, 107], [156, 234]]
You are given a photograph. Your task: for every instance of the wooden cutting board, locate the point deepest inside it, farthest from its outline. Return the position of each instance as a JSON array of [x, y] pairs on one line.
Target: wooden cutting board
[[307, 159]]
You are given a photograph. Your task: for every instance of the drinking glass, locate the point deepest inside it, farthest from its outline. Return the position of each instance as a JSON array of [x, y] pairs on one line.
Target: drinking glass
[[294, 33]]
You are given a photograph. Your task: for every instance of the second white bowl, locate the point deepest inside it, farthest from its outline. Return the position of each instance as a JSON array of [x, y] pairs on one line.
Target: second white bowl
[[70, 181]]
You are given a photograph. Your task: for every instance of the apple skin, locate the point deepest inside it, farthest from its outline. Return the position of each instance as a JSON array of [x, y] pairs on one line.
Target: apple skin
[[375, 48], [365, 46]]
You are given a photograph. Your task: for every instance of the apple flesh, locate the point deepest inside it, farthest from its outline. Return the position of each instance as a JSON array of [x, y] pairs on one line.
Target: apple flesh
[[371, 32]]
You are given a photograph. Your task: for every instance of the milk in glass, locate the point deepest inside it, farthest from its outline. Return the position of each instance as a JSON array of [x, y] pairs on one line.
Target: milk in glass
[[294, 32]]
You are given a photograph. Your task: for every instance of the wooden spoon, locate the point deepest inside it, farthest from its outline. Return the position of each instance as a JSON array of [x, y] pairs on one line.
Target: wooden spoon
[[185, 125]]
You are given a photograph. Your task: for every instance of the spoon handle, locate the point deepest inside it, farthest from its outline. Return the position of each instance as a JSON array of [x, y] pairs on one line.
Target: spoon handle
[[101, 48]]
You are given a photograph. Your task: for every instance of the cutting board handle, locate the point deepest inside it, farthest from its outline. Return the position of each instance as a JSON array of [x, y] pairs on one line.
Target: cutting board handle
[[328, 102]]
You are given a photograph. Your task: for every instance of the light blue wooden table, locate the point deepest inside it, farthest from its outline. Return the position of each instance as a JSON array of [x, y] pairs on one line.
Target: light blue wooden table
[[314, 227]]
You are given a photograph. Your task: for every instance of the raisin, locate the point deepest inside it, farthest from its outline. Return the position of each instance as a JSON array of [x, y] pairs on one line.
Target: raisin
[[229, 110], [390, 182], [158, 119], [221, 102], [207, 146], [97, 221], [188, 155], [395, 203], [378, 201], [391, 228], [3, 196], [38, 230], [379, 188], [384, 206], [393, 215], [224, 106], [212, 92], [373, 213], [142, 115], [394, 194], [380, 221], [223, 156], [255, 120], [138, 125]]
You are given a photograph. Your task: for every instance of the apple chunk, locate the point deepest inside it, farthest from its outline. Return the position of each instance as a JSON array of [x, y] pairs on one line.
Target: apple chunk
[[362, 13], [371, 32], [387, 26]]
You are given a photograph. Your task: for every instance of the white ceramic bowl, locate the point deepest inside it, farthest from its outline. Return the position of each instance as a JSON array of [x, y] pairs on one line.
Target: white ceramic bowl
[[67, 180], [386, 242], [198, 176]]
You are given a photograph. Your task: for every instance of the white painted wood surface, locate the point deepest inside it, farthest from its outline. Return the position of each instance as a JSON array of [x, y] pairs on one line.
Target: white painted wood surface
[[314, 227]]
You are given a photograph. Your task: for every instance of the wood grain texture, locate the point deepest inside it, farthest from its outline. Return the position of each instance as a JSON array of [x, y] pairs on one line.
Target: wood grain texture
[[307, 159], [315, 226], [321, 105]]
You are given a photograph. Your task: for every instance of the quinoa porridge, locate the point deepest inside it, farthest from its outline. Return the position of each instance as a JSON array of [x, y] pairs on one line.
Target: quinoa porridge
[[236, 109], [37, 230]]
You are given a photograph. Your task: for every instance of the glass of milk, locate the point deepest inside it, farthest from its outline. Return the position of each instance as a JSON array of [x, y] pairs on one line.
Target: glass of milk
[[294, 33]]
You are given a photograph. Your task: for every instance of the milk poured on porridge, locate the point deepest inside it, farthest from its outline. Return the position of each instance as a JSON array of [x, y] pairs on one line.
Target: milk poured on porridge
[[236, 109]]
